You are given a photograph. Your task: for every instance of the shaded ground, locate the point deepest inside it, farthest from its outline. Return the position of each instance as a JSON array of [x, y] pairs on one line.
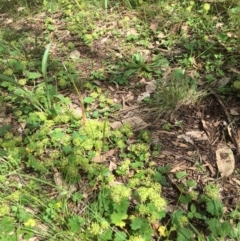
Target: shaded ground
[[206, 121], [189, 137], [183, 152]]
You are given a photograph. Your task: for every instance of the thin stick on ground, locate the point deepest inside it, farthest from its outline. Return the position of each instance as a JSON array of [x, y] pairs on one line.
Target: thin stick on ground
[[233, 130]]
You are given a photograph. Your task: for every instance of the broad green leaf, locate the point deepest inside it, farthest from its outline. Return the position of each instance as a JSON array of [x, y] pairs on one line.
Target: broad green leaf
[[64, 100], [184, 234], [193, 208], [117, 219], [77, 196], [121, 207], [75, 223], [33, 75], [181, 174], [190, 215], [191, 183], [67, 149], [107, 235], [88, 100], [185, 199], [57, 134], [215, 207], [6, 225], [214, 225], [4, 129], [95, 114], [136, 223], [120, 236], [198, 215]]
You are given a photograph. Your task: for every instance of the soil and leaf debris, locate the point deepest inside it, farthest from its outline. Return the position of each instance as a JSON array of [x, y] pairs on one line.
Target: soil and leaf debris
[[119, 120]]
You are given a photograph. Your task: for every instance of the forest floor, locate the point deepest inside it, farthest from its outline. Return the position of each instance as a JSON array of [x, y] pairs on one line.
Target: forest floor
[[173, 81]]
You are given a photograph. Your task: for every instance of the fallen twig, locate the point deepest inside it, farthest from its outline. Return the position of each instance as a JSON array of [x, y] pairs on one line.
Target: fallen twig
[[233, 130]]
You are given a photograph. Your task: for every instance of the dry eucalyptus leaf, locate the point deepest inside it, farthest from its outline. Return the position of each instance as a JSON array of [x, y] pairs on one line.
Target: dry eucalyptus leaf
[[155, 138], [154, 26], [197, 135], [97, 82], [132, 31], [176, 143], [229, 129], [99, 159], [151, 86], [186, 138], [219, 25], [143, 96], [161, 35], [103, 158], [112, 166], [136, 123], [58, 179], [115, 183], [221, 82], [75, 54], [225, 160], [71, 188], [116, 125], [234, 111], [103, 40]]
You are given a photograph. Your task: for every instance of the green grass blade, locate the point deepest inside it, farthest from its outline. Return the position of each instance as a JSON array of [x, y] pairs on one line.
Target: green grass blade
[[44, 61], [44, 72]]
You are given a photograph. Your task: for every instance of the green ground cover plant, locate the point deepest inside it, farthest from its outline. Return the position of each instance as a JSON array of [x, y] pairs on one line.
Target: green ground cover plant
[[55, 179]]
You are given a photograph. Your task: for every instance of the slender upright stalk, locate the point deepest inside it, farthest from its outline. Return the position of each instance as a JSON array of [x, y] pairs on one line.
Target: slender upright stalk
[[44, 72]]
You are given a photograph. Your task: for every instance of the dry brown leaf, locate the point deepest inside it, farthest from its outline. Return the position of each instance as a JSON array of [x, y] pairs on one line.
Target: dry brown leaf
[[181, 166], [221, 82], [234, 111], [112, 166], [179, 144], [186, 138], [103, 158], [75, 54], [236, 181], [219, 25], [155, 138], [58, 178], [103, 40], [143, 96], [97, 82], [199, 114], [197, 135], [225, 160], [116, 125], [161, 35], [154, 26], [115, 183], [143, 81], [229, 129], [150, 86], [99, 159], [136, 123], [166, 132], [71, 188]]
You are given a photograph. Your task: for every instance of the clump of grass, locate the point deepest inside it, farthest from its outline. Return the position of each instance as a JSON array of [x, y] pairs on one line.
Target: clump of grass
[[175, 90]]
